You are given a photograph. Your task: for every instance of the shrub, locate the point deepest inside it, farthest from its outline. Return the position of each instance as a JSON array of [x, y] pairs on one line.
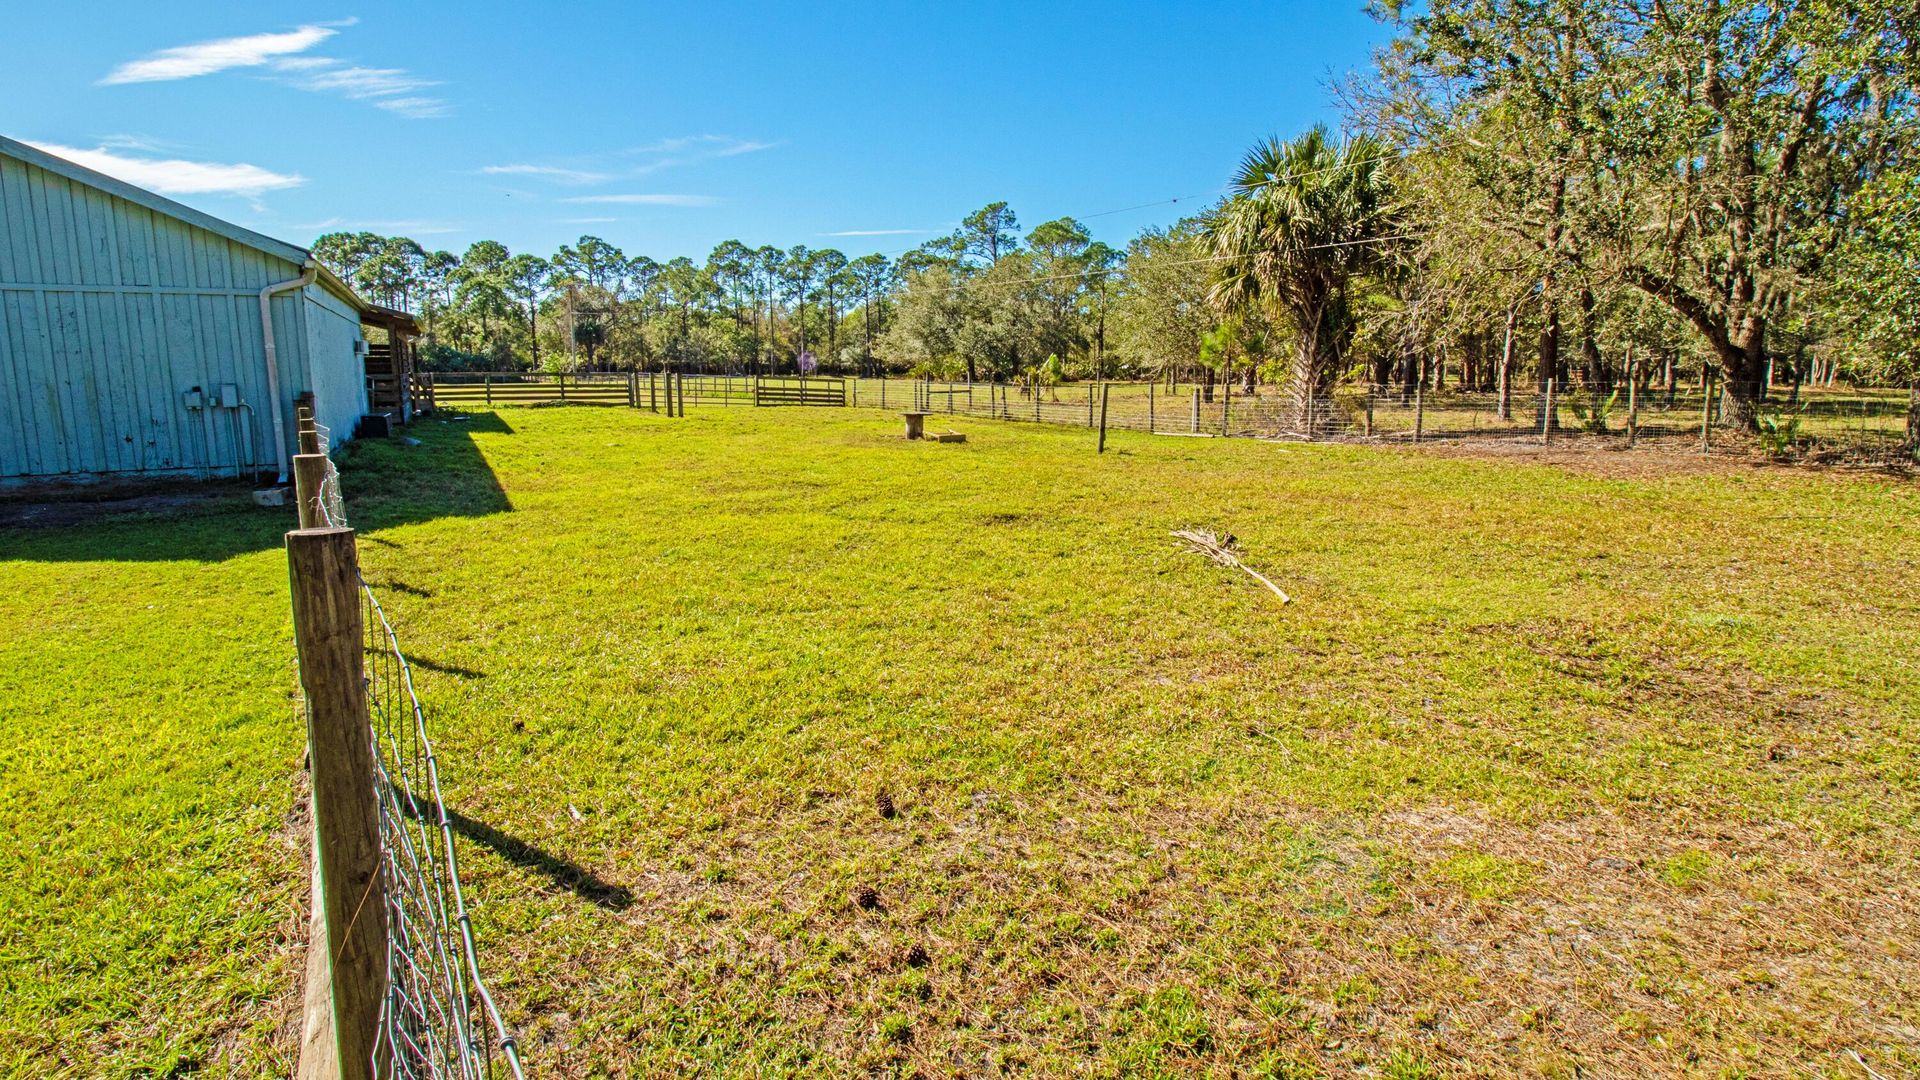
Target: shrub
[[1592, 412], [1779, 431]]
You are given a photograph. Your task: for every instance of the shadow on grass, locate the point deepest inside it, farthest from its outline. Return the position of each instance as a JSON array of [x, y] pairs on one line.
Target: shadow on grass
[[386, 483], [576, 879], [444, 669]]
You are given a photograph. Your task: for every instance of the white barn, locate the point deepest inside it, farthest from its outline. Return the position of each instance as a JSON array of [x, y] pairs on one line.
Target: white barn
[[140, 337]]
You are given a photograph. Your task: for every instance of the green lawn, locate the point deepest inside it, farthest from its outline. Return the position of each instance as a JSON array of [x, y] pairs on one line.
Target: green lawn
[[1546, 770]]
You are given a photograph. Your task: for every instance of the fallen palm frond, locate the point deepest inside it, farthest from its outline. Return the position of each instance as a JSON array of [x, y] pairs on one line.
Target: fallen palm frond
[[1220, 549]]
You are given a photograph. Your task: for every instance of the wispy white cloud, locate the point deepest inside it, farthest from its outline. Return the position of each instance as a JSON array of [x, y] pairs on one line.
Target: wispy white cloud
[[177, 176], [416, 108], [633, 162], [877, 232], [645, 200], [354, 81], [703, 146], [413, 228], [410, 227], [207, 57], [547, 172], [137, 143], [393, 89], [396, 90]]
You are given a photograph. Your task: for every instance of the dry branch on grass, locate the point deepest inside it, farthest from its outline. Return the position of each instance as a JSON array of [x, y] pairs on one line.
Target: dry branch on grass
[[1220, 549]]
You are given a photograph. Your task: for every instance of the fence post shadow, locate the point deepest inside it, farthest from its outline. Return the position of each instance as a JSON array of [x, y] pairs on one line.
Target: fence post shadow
[[575, 878]]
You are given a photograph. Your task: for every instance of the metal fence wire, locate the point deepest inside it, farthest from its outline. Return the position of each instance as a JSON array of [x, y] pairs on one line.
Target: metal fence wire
[[437, 1019], [1870, 423]]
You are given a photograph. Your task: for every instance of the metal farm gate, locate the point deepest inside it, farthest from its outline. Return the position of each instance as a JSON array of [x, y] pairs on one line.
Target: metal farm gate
[[800, 390]]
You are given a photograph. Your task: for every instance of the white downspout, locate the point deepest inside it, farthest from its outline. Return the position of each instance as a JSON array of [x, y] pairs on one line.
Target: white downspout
[[307, 273]]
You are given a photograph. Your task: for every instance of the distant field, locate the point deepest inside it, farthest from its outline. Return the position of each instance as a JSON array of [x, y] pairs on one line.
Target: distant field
[[1827, 418], [1548, 769]]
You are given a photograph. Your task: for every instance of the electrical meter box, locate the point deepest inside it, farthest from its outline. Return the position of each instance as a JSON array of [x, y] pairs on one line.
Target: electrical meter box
[[192, 399]]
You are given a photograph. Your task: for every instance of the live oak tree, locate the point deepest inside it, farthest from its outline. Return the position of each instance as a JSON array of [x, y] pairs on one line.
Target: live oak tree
[[1702, 152], [1872, 298], [1761, 121], [1160, 310]]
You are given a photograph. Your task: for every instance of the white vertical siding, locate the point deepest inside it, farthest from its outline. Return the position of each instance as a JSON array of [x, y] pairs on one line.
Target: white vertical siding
[[110, 311], [339, 389]]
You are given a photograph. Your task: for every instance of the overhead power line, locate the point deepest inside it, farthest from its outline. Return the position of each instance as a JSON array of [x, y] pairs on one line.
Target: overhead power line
[[967, 286], [1221, 190]]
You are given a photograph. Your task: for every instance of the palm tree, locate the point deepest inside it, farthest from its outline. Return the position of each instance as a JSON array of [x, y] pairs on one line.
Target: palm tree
[[1306, 219]]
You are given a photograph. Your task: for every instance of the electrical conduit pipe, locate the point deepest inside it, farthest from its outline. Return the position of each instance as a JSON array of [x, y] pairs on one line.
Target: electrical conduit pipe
[[307, 274]]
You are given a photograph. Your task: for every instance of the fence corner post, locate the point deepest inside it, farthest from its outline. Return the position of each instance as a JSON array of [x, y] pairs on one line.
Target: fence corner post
[[347, 949]]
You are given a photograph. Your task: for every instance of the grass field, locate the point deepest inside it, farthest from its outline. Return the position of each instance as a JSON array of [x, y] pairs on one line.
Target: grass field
[[1595, 770]]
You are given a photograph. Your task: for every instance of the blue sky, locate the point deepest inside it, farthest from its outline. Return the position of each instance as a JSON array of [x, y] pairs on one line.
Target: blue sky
[[668, 128]]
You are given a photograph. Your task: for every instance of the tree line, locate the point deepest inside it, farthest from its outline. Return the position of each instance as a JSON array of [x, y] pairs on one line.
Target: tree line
[[591, 306], [1581, 191]]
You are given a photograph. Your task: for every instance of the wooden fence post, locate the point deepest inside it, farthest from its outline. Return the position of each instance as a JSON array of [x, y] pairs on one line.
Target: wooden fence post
[[1226, 399], [309, 476], [1706, 410], [680, 394], [1369, 408], [1546, 417], [1089, 404], [1103, 420], [563, 385], [347, 950], [1419, 409], [1913, 417], [308, 430], [489, 380], [653, 392], [1633, 401], [1196, 410], [1150, 407]]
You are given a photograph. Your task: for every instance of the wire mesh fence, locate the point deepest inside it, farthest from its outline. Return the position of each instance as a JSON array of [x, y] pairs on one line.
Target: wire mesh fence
[[437, 1018], [1869, 423], [1862, 422]]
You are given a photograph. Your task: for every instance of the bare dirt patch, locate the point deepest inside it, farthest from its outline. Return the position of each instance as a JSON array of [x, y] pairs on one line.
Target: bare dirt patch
[[27, 513]]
